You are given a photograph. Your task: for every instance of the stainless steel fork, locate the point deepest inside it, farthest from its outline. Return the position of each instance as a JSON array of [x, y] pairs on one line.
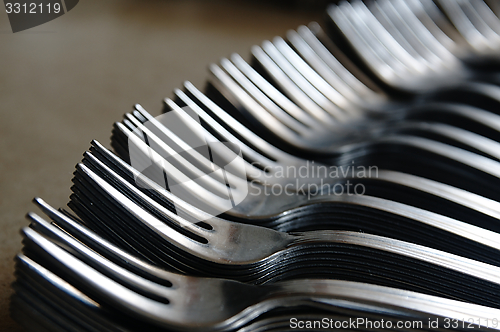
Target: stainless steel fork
[[229, 244], [388, 53], [263, 154], [476, 23], [474, 202], [188, 302]]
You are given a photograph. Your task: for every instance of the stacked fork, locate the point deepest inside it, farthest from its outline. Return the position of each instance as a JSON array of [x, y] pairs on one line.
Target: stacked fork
[[347, 178]]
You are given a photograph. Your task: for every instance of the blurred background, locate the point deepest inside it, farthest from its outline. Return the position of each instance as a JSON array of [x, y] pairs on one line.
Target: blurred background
[[65, 82]]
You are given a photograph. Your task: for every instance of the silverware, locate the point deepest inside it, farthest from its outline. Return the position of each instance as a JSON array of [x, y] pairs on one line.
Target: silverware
[[420, 242], [261, 155], [398, 42], [261, 255], [180, 304]]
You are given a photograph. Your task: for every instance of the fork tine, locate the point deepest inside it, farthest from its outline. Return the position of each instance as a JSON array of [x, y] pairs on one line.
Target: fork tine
[[364, 19], [443, 68], [103, 246], [263, 152], [182, 143], [382, 64], [148, 158], [263, 91], [291, 115], [292, 90], [437, 57], [212, 176], [187, 236], [363, 39], [107, 289], [463, 24], [478, 21], [279, 121], [56, 304], [299, 105], [226, 161], [436, 22], [182, 137], [187, 187], [99, 262], [322, 69], [429, 37], [332, 93], [190, 217], [347, 67], [382, 15], [334, 104], [494, 7], [482, 10], [254, 162], [305, 147], [187, 116], [163, 196], [115, 226]]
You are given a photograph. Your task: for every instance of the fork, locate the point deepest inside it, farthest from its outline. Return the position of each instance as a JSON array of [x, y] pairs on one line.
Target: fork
[[486, 211], [411, 36], [330, 62], [221, 244], [270, 158], [189, 307], [60, 318], [274, 206], [287, 74], [476, 23], [294, 127], [271, 180], [324, 63], [414, 217], [388, 57], [302, 84], [113, 206]]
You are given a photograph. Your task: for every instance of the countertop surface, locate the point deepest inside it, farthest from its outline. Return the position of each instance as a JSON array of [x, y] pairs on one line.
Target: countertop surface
[[65, 82]]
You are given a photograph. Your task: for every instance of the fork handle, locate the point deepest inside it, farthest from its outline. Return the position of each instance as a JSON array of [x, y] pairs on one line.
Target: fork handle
[[382, 299]]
